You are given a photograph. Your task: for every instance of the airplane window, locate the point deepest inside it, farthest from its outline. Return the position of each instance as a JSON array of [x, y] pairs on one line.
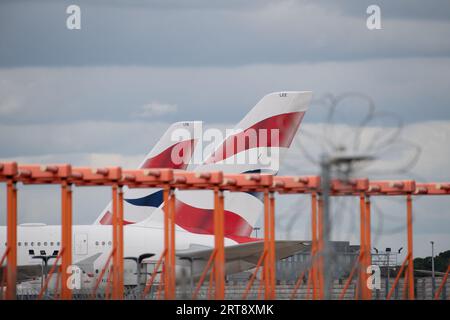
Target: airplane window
[[45, 243], [109, 242], [19, 244], [32, 244], [57, 243], [96, 243], [6, 243], [26, 244], [38, 243], [103, 243], [51, 243]]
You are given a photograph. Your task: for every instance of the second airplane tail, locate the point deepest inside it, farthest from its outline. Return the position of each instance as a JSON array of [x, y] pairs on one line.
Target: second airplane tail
[[172, 152]]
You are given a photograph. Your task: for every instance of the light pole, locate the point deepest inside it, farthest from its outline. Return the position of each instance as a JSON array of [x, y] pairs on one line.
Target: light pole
[[433, 279], [44, 266], [341, 164], [256, 229]]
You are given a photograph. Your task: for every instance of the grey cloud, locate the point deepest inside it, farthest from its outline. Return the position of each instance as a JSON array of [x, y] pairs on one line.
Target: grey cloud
[[34, 34], [155, 109], [402, 9], [65, 95], [79, 137]]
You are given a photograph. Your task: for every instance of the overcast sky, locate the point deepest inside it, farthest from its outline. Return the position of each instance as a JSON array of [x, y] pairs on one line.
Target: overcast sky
[[103, 94]]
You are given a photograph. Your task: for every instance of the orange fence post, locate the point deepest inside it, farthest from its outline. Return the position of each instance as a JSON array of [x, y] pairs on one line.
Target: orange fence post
[[11, 240], [272, 253], [120, 245], [66, 239], [266, 268], [314, 272], [368, 255], [362, 247], [172, 247], [69, 235], [410, 247], [219, 261], [169, 243], [320, 247], [115, 262], [115, 174], [165, 274]]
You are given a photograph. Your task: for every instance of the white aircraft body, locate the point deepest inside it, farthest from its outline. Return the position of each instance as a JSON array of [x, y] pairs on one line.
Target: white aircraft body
[[143, 208]]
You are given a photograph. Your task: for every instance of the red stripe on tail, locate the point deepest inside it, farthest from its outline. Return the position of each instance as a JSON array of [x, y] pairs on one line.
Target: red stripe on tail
[[197, 220], [174, 157], [107, 219], [286, 123]]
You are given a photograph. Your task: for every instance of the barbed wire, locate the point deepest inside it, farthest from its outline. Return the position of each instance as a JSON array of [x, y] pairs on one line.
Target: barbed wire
[[332, 136]]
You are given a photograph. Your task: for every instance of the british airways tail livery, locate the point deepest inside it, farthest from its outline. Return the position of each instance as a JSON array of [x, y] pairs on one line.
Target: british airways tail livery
[[140, 203], [255, 145]]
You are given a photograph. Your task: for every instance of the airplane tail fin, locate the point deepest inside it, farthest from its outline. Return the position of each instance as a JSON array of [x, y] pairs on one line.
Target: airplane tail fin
[[178, 138], [256, 146], [258, 141], [174, 150]]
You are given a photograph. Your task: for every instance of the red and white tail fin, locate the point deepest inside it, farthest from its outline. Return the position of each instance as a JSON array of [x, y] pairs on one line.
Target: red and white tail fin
[[140, 203], [258, 141], [277, 117]]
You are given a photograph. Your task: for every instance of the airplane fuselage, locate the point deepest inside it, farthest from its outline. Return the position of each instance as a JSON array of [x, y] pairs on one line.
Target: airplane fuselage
[[94, 242]]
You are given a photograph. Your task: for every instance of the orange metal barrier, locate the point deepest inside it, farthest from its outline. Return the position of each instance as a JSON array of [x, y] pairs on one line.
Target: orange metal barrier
[[67, 176], [314, 270], [444, 281]]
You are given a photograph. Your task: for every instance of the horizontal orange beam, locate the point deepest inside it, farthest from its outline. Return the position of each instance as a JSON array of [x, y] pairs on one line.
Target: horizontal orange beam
[[432, 189], [144, 178]]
